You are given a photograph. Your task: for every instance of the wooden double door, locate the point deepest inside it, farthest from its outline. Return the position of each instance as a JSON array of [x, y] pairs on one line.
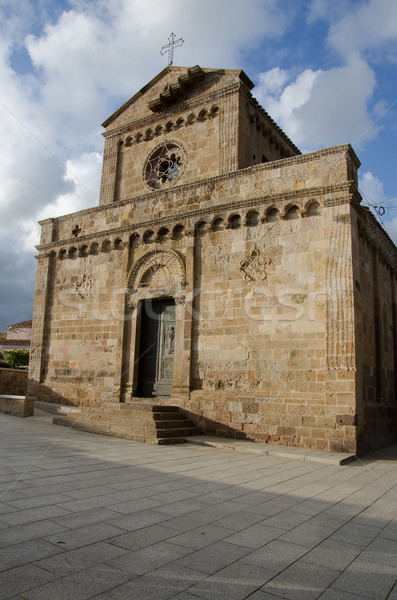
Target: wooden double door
[[157, 348]]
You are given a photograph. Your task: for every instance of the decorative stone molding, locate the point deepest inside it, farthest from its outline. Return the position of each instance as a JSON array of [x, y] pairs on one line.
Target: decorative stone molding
[[172, 93], [83, 287], [372, 233], [168, 126], [331, 195], [179, 294], [188, 224], [161, 272], [208, 98], [254, 266]]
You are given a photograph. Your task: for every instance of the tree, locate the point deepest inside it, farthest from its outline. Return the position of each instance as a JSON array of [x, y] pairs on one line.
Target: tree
[[3, 362], [16, 358]]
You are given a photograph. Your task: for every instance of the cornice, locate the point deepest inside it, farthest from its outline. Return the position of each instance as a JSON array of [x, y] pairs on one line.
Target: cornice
[[375, 235], [336, 194]]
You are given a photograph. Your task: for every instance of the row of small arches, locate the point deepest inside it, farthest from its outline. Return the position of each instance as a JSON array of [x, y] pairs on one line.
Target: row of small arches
[[234, 221], [93, 249], [159, 130]]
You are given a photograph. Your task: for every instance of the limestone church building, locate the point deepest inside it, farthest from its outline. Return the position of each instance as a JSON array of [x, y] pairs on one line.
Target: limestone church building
[[225, 281]]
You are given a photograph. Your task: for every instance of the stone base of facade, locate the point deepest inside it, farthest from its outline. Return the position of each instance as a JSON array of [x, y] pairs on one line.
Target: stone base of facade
[[313, 424]]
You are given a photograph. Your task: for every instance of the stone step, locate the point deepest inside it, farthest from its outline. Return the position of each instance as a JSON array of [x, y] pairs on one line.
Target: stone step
[[127, 408], [151, 406], [148, 423], [148, 401], [107, 429], [141, 415], [131, 417], [134, 422]]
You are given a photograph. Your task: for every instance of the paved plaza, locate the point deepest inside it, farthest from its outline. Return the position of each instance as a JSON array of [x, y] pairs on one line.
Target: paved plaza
[[86, 516]]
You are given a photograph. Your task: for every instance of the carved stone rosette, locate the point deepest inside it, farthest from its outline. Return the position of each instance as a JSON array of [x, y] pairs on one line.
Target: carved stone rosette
[[253, 267], [83, 287]]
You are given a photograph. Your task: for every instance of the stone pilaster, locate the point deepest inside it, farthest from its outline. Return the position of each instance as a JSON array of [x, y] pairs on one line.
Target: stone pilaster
[[228, 135], [183, 329], [109, 171], [41, 316]]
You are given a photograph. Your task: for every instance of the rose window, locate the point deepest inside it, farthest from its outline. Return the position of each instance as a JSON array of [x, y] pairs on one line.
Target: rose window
[[164, 166]]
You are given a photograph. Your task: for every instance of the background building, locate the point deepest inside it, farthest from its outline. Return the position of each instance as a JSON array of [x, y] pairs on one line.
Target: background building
[[17, 336]]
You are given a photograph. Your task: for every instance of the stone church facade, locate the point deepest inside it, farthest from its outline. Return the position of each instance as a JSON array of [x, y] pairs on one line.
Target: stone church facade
[[223, 272]]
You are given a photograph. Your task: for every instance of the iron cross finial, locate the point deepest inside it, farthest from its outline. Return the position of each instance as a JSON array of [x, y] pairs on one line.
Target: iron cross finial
[[172, 43]]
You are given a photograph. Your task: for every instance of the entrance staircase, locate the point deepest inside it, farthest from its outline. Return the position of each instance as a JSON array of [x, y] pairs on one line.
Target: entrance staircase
[[142, 421]]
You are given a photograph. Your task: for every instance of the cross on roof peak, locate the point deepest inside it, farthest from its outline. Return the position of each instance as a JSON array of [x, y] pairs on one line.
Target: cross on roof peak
[[172, 43]]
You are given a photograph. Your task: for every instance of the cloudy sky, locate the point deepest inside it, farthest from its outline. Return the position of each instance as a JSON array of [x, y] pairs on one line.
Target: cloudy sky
[[325, 71]]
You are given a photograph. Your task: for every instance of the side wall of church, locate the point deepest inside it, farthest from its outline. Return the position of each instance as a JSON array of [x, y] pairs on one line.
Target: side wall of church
[[376, 333], [260, 139]]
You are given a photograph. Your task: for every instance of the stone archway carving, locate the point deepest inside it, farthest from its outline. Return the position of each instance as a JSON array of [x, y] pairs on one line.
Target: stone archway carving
[[156, 273]]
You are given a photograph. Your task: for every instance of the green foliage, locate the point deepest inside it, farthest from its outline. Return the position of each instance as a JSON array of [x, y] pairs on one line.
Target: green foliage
[[16, 358], [3, 362]]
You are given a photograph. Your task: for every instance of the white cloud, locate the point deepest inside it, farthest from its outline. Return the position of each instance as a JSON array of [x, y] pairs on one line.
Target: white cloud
[[272, 82], [372, 188], [367, 27], [322, 108], [83, 175], [327, 11]]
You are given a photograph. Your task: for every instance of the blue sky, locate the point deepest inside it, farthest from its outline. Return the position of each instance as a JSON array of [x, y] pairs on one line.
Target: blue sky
[[325, 71]]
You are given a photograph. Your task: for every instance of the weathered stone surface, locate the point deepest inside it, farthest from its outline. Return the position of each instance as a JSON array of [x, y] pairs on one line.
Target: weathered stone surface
[[17, 406], [13, 381]]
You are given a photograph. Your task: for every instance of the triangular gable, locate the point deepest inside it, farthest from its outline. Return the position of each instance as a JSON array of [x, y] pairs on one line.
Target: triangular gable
[[171, 86]]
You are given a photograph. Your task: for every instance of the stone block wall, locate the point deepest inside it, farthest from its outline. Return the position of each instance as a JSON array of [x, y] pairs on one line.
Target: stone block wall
[[375, 288], [13, 382], [264, 339], [82, 328]]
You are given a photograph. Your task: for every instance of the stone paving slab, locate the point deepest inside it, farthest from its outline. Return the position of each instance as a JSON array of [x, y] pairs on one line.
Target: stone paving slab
[[330, 458], [87, 516]]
